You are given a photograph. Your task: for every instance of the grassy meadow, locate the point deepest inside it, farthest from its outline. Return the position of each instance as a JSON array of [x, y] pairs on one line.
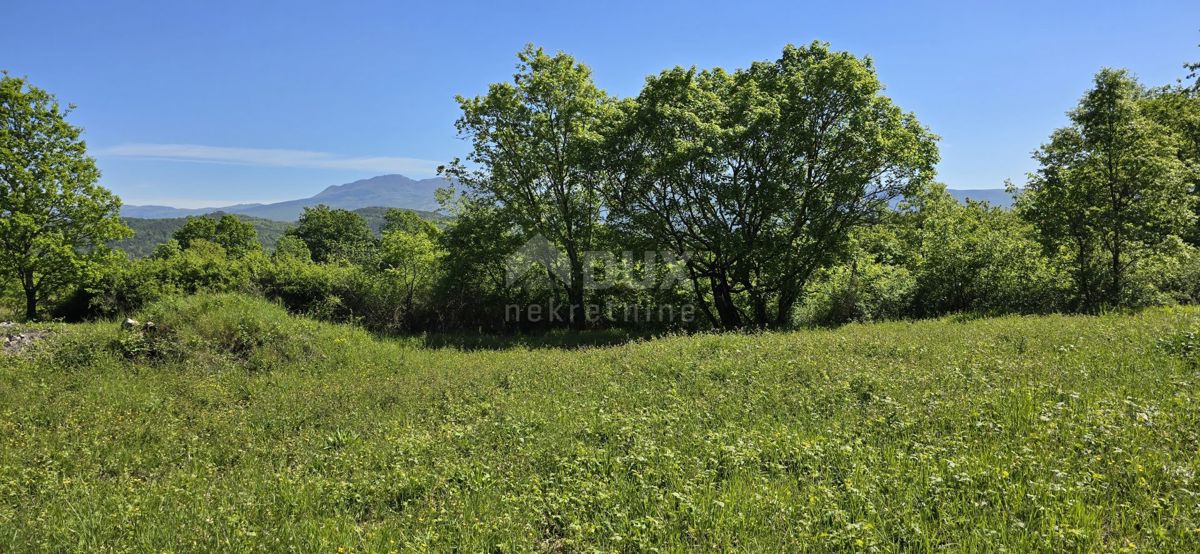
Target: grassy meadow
[[234, 427]]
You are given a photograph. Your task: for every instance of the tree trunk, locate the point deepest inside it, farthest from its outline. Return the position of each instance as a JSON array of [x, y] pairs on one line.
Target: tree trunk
[[1117, 281], [701, 302], [1083, 281], [723, 299], [575, 294], [783, 312], [30, 296], [578, 315], [408, 310], [760, 310]]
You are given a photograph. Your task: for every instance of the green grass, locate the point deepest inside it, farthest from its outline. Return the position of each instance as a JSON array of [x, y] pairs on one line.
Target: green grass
[[235, 427]]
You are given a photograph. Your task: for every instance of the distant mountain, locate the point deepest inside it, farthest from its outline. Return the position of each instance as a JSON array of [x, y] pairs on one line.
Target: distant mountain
[[387, 191], [398, 191], [996, 197]]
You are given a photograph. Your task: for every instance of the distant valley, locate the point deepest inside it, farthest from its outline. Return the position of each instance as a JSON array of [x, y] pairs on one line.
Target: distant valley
[[1000, 198]]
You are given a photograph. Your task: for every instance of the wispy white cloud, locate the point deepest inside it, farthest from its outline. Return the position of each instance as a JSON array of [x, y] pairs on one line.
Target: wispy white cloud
[[271, 157]]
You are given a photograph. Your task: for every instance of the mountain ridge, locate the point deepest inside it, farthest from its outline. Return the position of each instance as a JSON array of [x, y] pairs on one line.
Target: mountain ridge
[[388, 191], [399, 191]]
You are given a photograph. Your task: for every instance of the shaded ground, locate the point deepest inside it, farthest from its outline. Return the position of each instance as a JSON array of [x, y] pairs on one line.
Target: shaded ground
[[550, 339]]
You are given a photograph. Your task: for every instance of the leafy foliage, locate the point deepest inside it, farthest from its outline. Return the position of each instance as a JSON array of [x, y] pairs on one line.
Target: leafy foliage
[[535, 149], [235, 236], [332, 234], [935, 257], [54, 218], [1111, 188], [1178, 110], [411, 257], [757, 177]]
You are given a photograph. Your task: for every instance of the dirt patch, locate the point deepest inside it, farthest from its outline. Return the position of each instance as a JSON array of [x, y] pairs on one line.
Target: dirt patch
[[17, 339]]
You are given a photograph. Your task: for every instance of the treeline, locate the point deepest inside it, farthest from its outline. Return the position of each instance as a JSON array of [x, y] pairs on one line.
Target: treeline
[[790, 192], [329, 265], [148, 233]]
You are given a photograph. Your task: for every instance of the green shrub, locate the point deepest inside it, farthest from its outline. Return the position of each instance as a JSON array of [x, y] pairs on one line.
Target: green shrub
[[247, 331], [865, 290], [204, 267], [126, 288], [1169, 274], [152, 342], [377, 299], [977, 258]]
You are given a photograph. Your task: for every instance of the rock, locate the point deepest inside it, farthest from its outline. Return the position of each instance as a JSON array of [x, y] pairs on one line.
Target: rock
[[130, 323], [16, 342]]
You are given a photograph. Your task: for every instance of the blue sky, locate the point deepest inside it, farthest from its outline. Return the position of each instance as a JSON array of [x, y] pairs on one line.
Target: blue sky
[[195, 103]]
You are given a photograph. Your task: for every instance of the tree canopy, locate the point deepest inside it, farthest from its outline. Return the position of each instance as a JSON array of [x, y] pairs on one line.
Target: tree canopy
[[332, 233], [756, 177], [237, 237], [54, 217], [535, 143], [1111, 187]]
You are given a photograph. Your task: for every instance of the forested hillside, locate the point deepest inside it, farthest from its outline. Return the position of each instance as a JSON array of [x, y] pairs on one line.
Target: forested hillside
[[149, 233]]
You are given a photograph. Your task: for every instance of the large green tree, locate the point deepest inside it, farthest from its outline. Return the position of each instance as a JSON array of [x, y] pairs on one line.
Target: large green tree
[[237, 237], [1177, 108], [534, 151], [757, 177], [332, 233], [54, 217], [1110, 187]]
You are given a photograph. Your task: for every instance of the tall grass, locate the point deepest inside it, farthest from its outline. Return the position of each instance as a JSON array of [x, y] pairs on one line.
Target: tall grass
[[236, 427]]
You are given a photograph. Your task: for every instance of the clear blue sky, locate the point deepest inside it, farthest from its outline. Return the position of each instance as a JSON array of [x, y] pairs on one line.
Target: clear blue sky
[[194, 103]]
